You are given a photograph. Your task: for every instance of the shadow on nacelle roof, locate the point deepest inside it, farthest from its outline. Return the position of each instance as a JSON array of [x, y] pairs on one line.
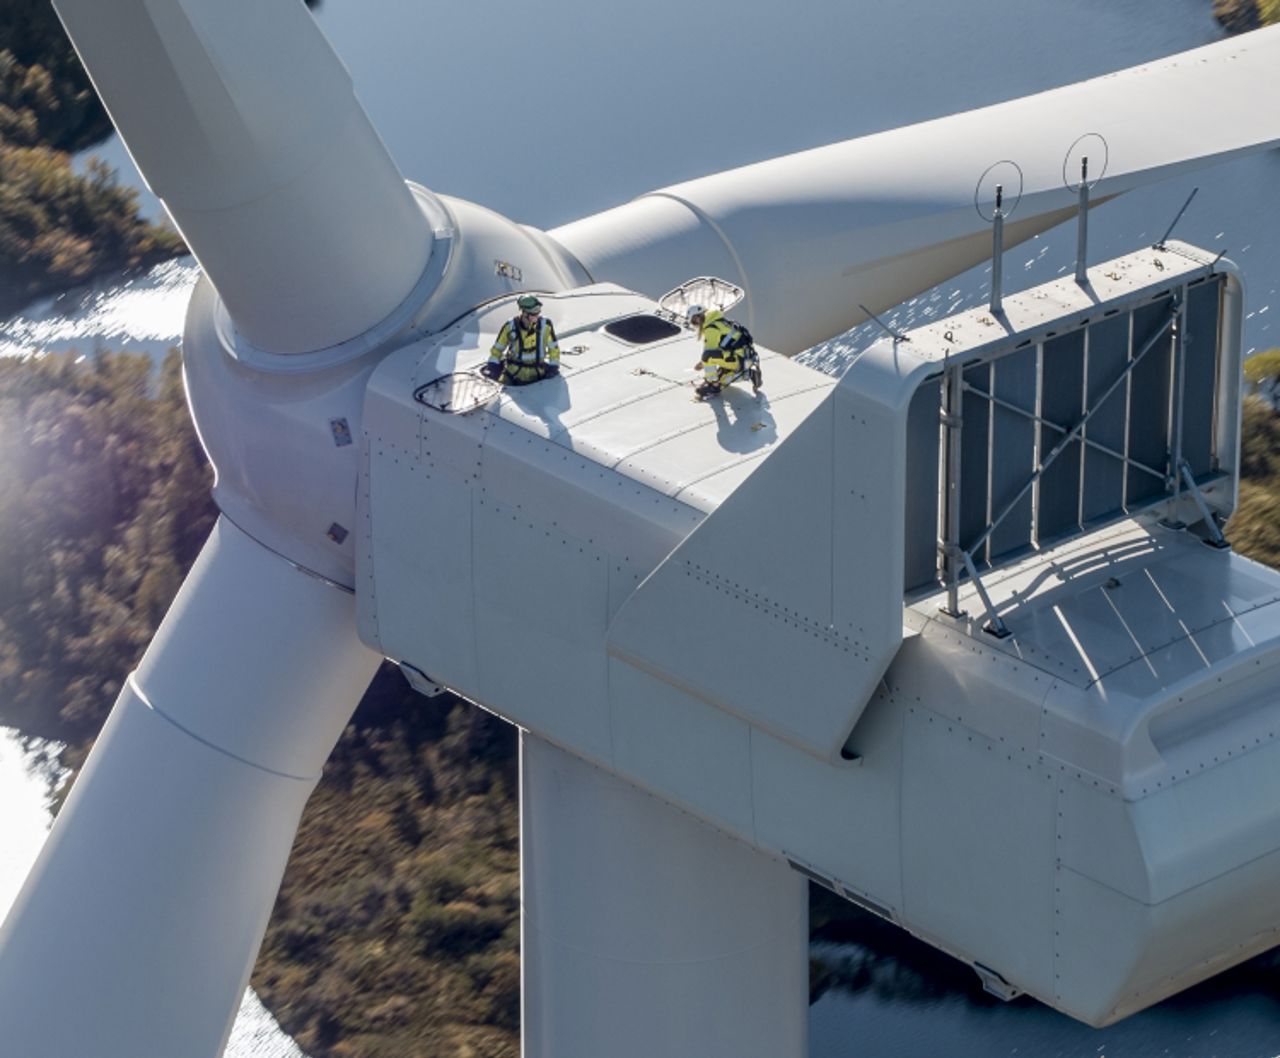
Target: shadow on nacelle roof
[[630, 405]]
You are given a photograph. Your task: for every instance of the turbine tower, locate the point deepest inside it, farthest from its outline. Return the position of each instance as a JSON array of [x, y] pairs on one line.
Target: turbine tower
[[671, 810]]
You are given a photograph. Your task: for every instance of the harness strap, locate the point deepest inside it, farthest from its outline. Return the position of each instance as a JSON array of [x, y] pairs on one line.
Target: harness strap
[[515, 344]]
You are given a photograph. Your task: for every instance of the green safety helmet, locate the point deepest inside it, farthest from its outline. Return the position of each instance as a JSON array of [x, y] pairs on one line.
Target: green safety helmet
[[528, 303]]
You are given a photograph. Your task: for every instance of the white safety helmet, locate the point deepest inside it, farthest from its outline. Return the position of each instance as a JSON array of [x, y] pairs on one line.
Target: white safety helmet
[[693, 312]]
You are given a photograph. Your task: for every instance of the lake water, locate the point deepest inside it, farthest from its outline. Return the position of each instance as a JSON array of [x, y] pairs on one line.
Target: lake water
[[693, 91]]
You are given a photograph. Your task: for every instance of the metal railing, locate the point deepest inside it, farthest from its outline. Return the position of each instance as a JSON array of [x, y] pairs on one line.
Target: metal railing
[[959, 558]]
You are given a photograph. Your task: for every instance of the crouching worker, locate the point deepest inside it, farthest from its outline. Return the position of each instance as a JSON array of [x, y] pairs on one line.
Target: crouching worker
[[728, 352], [526, 350]]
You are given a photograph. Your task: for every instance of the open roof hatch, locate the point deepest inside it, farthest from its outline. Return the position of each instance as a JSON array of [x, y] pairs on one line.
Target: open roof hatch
[[707, 291]]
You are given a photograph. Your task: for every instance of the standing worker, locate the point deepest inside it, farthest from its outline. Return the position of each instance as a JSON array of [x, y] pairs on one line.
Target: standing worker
[[526, 349], [728, 352]]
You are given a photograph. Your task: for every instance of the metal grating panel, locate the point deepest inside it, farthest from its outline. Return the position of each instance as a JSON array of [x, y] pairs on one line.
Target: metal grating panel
[[1013, 446], [1203, 312], [1062, 433], [975, 457], [1061, 403], [921, 552], [1149, 398], [1104, 467]]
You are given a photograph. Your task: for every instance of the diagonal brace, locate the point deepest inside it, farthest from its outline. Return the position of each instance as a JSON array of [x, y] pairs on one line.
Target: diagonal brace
[[1074, 432]]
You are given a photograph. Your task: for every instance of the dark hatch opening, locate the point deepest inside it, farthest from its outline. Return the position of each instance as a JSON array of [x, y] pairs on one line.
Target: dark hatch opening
[[641, 330]]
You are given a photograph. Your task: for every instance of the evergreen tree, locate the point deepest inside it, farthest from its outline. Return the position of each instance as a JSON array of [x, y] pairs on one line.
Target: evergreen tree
[[45, 96], [106, 503], [59, 228]]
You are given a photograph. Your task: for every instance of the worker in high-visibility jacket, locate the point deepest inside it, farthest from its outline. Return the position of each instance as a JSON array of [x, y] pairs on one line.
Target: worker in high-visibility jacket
[[526, 349], [728, 352]]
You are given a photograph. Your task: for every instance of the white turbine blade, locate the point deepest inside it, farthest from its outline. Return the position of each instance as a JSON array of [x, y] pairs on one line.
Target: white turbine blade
[[243, 121], [157, 881], [880, 218]]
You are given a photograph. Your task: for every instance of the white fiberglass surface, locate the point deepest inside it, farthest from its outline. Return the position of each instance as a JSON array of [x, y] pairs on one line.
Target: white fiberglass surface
[[1149, 652], [24, 825], [632, 407], [1113, 604]]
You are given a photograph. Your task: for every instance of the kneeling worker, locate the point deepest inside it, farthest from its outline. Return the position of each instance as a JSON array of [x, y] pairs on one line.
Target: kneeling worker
[[728, 352], [526, 349]]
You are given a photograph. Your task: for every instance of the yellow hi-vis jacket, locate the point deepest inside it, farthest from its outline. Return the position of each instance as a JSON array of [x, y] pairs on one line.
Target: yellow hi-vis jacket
[[719, 338], [525, 354]]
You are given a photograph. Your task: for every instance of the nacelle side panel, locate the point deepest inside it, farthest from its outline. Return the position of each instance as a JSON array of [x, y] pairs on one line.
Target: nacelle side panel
[[791, 590]]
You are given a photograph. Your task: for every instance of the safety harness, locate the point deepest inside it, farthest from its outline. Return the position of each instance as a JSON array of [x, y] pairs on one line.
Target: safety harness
[[516, 351]]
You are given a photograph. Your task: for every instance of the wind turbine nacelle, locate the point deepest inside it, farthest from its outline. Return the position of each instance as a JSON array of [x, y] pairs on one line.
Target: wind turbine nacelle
[[733, 606], [736, 606], [531, 522]]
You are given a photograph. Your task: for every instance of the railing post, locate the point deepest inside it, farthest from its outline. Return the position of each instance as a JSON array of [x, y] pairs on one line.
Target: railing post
[[1216, 539], [997, 253], [952, 422], [1082, 225], [1178, 358]]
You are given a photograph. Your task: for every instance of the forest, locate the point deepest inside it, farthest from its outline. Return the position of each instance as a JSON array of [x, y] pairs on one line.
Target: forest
[[396, 929], [59, 227], [1240, 16]]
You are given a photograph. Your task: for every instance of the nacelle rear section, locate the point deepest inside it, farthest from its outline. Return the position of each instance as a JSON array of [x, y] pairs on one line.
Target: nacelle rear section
[[954, 634]]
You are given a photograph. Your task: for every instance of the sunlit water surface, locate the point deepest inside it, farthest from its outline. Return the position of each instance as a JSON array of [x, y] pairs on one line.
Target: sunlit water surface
[[142, 315]]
